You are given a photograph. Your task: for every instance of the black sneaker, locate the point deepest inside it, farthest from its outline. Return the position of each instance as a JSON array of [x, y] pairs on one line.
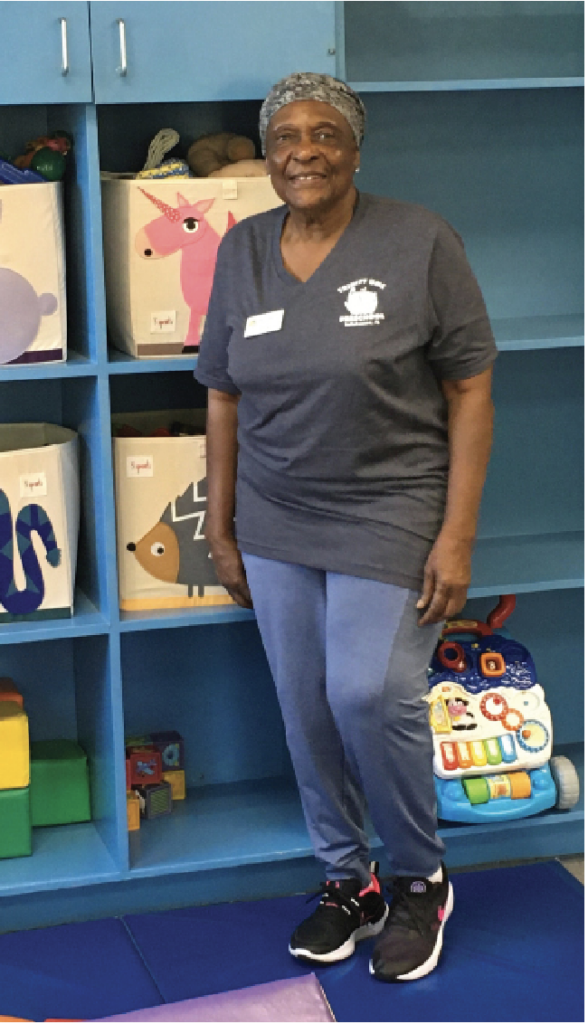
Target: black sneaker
[[410, 945], [345, 915]]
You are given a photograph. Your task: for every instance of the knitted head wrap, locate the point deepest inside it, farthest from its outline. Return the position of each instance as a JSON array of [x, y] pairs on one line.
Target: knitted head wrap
[[306, 85]]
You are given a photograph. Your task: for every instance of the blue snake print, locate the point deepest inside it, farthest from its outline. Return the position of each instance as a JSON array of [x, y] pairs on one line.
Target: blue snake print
[[32, 518]]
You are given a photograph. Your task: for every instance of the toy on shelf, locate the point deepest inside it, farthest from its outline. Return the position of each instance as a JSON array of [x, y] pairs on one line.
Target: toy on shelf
[[12, 175], [46, 155], [15, 808], [155, 166], [155, 800], [155, 775], [492, 730], [60, 785], [225, 154], [144, 765]]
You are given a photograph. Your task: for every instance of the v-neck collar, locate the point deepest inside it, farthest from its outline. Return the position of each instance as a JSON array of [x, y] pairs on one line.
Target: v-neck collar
[[341, 244]]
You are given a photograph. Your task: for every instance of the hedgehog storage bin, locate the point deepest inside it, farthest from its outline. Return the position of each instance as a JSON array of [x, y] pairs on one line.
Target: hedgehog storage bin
[[39, 520], [160, 242], [32, 274], [163, 558]]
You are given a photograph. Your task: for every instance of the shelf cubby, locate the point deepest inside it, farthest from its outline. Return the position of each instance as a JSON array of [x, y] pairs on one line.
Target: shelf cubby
[[68, 693], [460, 45], [516, 202]]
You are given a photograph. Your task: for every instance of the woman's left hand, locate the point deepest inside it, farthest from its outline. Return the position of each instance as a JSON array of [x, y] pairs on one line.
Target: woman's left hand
[[447, 577]]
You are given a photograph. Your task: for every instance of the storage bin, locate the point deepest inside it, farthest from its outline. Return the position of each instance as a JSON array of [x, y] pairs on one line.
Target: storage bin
[[163, 558], [160, 242], [39, 520], [33, 323]]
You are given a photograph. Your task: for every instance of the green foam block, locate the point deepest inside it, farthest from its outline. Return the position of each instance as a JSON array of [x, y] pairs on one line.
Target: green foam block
[[60, 790], [15, 823]]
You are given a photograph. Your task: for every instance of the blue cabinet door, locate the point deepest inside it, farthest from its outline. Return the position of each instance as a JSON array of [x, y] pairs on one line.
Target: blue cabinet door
[[45, 53], [162, 52]]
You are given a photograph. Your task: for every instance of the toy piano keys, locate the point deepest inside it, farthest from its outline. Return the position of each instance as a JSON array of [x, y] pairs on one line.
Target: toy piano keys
[[492, 729]]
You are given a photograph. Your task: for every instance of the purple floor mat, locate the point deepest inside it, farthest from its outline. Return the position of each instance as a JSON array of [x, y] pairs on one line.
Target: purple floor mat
[[301, 999]]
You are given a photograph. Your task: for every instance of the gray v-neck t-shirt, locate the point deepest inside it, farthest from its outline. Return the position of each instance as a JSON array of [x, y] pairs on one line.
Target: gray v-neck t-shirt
[[343, 448]]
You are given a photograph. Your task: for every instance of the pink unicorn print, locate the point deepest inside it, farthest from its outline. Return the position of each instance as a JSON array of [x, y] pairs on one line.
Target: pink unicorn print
[[185, 228]]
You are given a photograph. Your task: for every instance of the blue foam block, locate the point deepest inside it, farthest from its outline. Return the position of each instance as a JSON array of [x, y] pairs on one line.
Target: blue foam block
[[513, 952], [75, 971]]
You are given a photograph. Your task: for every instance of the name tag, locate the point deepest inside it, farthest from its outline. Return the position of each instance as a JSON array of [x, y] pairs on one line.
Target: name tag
[[264, 323]]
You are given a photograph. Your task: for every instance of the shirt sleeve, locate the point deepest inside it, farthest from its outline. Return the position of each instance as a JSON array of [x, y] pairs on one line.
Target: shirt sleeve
[[461, 341], [212, 366]]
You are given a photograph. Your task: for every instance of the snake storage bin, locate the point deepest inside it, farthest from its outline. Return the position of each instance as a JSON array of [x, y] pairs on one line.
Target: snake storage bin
[[163, 557], [39, 520], [160, 242], [32, 274]]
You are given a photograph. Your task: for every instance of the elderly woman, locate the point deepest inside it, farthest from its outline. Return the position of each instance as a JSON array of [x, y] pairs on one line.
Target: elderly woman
[[348, 354]]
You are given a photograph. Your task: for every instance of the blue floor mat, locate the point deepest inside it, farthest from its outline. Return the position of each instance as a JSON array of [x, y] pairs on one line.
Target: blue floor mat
[[513, 952], [74, 971]]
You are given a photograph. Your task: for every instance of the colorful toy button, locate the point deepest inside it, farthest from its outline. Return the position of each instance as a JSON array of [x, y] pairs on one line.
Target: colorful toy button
[[478, 753], [533, 736], [512, 719], [464, 757], [493, 706], [452, 656], [507, 746], [449, 756], [492, 664], [493, 751]]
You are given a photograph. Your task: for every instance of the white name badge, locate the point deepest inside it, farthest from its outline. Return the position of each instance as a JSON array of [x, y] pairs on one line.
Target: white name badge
[[264, 323]]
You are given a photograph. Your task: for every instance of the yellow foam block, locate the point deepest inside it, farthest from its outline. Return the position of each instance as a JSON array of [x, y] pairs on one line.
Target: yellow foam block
[[15, 761]]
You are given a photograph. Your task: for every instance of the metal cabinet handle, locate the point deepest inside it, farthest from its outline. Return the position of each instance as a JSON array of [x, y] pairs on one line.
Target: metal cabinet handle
[[122, 38], [64, 56]]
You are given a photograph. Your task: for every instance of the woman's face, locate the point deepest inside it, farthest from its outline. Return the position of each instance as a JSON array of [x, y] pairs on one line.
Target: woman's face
[[311, 156]]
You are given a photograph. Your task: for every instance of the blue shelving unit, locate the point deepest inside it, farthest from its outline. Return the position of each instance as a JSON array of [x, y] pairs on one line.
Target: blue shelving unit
[[474, 111]]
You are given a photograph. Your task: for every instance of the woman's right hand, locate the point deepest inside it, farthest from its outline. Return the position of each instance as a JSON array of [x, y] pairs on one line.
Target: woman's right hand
[[230, 570]]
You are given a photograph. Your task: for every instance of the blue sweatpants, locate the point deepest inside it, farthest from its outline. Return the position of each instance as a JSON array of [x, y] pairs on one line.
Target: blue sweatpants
[[350, 666]]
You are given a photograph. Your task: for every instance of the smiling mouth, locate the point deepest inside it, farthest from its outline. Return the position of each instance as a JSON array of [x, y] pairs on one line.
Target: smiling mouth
[[304, 178]]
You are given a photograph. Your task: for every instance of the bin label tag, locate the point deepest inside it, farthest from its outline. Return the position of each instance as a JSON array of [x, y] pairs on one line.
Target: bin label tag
[[163, 322], [33, 485], [139, 465]]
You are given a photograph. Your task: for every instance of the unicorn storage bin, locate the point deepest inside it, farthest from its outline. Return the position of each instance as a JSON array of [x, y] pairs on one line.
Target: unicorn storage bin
[[160, 242], [160, 481], [33, 326], [39, 521]]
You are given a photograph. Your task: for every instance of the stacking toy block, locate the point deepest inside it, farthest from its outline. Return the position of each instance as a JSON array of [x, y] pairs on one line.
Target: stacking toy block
[[15, 823], [60, 788], [171, 747], [137, 741], [177, 781], [155, 800], [14, 746], [8, 691], [133, 812], [145, 766]]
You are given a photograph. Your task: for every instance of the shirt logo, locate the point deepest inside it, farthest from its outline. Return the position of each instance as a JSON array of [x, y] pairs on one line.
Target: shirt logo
[[361, 303]]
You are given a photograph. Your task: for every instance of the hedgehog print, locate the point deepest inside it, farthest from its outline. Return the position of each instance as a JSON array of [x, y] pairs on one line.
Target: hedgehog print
[[175, 549]]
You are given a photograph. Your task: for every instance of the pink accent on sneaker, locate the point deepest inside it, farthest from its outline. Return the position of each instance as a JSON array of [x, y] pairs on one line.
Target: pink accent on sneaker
[[441, 913], [374, 886]]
